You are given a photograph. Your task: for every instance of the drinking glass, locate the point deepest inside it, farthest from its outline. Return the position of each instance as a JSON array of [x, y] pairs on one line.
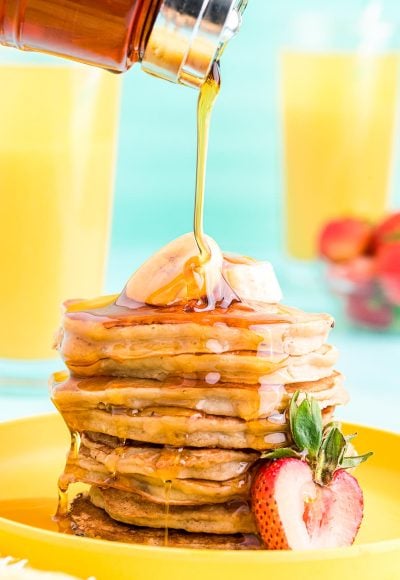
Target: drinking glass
[[339, 87], [58, 127]]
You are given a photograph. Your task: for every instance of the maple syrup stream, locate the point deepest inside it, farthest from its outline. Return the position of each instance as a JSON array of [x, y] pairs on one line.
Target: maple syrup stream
[[193, 275], [207, 97]]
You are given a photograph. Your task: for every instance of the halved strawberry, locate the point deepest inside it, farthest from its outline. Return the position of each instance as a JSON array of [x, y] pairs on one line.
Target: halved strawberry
[[294, 512], [302, 497]]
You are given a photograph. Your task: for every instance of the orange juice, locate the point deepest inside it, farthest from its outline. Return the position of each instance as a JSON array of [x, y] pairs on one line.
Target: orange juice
[[338, 127], [57, 158]]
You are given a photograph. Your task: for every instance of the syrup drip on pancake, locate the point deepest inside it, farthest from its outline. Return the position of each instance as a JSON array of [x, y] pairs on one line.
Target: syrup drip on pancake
[[167, 494]]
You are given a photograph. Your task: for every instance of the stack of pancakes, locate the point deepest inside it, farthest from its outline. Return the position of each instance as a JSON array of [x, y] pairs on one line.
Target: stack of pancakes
[[173, 408]]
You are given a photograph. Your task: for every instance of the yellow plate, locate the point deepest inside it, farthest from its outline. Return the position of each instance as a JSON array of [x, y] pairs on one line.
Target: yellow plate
[[32, 453]]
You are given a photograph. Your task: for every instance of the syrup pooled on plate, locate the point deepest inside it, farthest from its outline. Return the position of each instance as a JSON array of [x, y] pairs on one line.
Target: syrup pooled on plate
[[36, 512]]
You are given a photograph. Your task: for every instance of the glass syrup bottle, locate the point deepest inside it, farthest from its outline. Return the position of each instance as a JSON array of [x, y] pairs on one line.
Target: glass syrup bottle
[[177, 40]]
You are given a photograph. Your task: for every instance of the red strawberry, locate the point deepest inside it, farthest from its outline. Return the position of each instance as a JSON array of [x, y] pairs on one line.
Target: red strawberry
[[345, 239], [294, 512], [388, 270], [387, 231], [304, 498]]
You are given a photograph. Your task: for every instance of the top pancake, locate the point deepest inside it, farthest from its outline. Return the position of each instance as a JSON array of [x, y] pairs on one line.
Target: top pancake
[[155, 343]]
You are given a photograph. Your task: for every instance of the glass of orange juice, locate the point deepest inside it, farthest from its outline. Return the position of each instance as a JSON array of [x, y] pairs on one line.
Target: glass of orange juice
[[58, 127], [339, 107]]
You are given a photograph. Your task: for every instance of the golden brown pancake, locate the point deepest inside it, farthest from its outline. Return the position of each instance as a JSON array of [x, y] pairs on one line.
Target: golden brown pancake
[[180, 491], [228, 518], [90, 332], [184, 427], [238, 342], [131, 457], [227, 399], [92, 522], [234, 366]]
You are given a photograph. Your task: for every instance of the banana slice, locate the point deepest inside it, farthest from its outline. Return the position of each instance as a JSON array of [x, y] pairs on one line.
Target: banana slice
[[251, 280], [176, 274]]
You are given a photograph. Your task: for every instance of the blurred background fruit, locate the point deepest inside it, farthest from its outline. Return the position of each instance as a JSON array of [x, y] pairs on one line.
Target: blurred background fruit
[[363, 268]]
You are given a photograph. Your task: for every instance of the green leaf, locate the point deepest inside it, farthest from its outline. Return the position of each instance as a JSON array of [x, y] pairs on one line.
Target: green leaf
[[280, 453], [293, 409], [334, 447], [306, 425], [331, 453], [349, 462]]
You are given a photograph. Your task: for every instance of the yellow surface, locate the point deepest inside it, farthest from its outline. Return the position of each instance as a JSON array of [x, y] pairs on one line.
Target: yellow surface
[[339, 119], [32, 454], [57, 156]]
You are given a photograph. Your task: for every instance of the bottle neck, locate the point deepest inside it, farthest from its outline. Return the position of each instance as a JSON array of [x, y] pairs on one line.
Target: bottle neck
[[188, 37]]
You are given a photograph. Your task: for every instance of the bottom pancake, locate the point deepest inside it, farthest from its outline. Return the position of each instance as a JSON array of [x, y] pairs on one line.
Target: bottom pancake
[[92, 522]]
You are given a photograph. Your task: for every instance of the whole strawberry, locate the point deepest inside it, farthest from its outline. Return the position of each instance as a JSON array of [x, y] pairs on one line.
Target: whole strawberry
[[303, 497], [345, 239]]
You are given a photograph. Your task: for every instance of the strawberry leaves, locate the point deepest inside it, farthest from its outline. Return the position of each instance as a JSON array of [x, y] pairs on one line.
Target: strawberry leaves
[[350, 462], [281, 453], [325, 449], [306, 424], [330, 455]]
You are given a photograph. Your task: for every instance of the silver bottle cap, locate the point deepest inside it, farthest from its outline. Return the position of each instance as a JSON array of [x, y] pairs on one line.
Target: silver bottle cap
[[188, 36]]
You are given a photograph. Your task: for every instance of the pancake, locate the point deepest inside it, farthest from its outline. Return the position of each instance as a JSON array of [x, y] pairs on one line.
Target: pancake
[[228, 518], [226, 399], [91, 332], [92, 522], [185, 427], [241, 366], [180, 491], [130, 457]]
